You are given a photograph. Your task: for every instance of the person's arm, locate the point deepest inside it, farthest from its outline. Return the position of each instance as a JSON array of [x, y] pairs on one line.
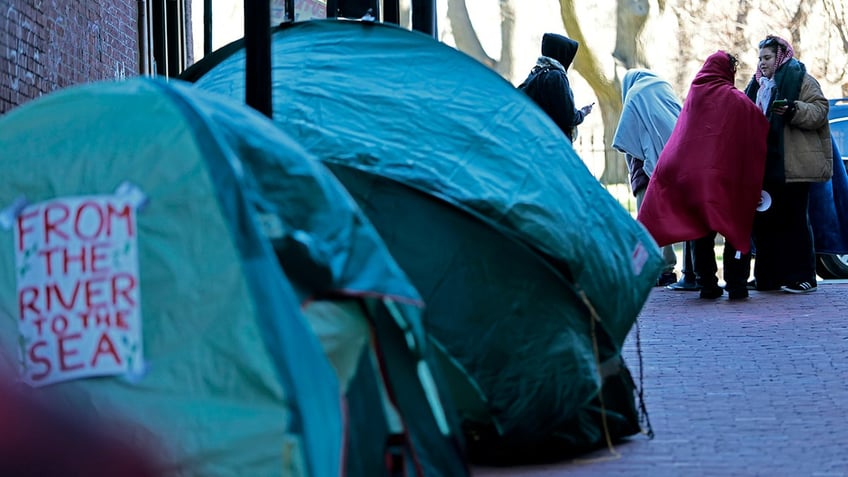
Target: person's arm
[[562, 111], [810, 110], [638, 177]]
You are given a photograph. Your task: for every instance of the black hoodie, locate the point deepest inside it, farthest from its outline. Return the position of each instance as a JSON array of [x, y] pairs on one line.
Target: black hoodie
[[548, 85]]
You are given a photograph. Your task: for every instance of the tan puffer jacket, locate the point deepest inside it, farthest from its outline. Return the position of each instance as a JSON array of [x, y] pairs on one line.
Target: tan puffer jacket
[[807, 150]]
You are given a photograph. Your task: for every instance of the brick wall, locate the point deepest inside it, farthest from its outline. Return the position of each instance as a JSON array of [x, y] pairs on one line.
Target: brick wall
[[46, 45]]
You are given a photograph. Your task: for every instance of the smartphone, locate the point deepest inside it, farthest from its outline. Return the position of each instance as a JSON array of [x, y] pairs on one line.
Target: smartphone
[[779, 103]]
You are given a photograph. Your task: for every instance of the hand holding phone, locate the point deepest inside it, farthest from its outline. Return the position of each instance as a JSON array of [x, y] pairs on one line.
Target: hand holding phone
[[779, 107]]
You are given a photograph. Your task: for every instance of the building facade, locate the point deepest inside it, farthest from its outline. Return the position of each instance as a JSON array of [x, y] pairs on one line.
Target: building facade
[[47, 45]]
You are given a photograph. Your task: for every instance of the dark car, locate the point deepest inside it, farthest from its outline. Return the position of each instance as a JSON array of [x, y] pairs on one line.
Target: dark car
[[833, 265], [838, 117]]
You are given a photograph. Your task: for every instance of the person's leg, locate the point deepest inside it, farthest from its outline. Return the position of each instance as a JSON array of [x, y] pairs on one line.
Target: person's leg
[[736, 271], [768, 242], [688, 268], [687, 280], [670, 258], [799, 264], [667, 276], [705, 266]]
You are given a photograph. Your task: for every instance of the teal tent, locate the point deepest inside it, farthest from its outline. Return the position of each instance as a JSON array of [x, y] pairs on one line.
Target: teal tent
[[174, 258], [532, 273], [351, 289]]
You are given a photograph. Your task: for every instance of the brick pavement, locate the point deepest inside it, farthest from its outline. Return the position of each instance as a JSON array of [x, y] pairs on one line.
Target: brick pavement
[[753, 388]]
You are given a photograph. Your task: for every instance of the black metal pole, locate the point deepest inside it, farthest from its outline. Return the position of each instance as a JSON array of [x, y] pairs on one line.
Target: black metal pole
[[257, 50], [289, 10], [424, 16], [207, 27], [332, 8], [352, 8], [391, 11]]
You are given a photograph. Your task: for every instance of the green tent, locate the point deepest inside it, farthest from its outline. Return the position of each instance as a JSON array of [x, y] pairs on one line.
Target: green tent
[[145, 226], [358, 301], [532, 273]]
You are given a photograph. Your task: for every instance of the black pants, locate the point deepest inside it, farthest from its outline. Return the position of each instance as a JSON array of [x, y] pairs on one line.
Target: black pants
[[783, 238], [688, 268], [736, 270]]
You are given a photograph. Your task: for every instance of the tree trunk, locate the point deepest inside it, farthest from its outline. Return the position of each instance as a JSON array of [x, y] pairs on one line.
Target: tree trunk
[[505, 64], [464, 35], [631, 16], [467, 41], [608, 93]]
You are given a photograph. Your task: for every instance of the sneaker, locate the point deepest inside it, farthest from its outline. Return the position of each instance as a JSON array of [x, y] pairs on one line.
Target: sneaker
[[667, 278], [684, 285], [800, 287], [752, 285], [711, 293]]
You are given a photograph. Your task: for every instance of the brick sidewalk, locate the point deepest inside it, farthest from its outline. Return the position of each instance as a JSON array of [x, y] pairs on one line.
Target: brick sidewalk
[[752, 388]]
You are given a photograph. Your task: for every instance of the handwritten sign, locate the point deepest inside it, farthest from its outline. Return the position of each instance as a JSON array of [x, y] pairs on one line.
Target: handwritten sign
[[78, 289]]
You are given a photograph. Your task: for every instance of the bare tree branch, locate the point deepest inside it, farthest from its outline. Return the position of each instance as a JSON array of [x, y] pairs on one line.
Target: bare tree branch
[[464, 35], [504, 65], [466, 38], [838, 18], [798, 18], [631, 16]]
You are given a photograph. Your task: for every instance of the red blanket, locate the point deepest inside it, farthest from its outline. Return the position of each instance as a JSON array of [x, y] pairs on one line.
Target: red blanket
[[710, 173]]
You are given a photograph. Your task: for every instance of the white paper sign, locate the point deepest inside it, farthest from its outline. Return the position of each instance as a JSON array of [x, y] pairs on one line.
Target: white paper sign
[[79, 310]]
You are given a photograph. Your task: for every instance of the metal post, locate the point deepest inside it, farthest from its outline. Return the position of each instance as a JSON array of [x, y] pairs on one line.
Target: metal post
[[332, 8], [391, 11], [424, 16], [289, 10], [257, 50], [207, 27], [352, 8]]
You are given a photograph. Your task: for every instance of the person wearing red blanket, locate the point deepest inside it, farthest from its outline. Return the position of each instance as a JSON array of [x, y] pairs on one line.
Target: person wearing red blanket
[[709, 177]]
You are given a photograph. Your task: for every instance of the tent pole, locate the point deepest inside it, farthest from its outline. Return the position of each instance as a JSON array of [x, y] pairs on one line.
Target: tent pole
[[257, 50]]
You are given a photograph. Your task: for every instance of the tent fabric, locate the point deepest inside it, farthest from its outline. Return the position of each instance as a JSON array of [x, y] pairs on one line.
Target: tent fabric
[[505, 404], [232, 372], [387, 104], [330, 251]]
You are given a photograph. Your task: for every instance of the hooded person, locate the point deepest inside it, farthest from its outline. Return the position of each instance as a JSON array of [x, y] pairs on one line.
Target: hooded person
[[649, 112], [547, 84], [709, 176]]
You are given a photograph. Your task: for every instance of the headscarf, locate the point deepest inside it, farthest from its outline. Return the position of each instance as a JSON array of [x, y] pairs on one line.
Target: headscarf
[[767, 85], [709, 175], [648, 115], [783, 54]]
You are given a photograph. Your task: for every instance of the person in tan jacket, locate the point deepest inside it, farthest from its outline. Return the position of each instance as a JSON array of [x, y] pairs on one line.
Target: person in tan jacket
[[799, 153]]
